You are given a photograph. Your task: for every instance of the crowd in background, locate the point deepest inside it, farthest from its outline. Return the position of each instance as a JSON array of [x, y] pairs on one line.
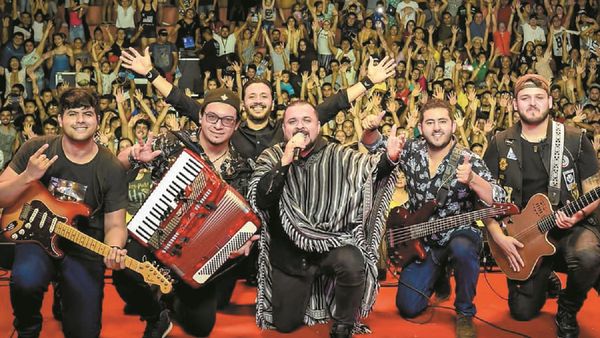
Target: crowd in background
[[469, 52]]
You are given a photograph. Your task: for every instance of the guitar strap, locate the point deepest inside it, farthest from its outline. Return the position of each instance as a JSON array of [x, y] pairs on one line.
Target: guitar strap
[[558, 142], [449, 172]]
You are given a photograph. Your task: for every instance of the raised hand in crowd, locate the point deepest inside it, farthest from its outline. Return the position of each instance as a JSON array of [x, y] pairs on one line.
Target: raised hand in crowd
[[580, 116], [459, 119], [438, 93], [171, 122]]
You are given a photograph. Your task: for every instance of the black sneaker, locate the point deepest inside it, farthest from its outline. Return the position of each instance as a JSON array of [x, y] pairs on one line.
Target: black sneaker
[[554, 285], [159, 328], [339, 330], [566, 324]]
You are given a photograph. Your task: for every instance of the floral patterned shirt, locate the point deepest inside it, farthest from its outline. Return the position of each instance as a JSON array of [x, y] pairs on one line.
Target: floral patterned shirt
[[422, 188]]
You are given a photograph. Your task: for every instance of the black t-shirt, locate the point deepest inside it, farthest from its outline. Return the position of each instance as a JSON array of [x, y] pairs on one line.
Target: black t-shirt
[[187, 30], [535, 177], [210, 50], [101, 184]]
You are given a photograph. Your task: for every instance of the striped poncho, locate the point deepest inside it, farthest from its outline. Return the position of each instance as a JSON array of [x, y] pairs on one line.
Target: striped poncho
[[328, 201]]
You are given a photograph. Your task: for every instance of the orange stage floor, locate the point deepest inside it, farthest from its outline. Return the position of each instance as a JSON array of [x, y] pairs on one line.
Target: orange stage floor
[[238, 319]]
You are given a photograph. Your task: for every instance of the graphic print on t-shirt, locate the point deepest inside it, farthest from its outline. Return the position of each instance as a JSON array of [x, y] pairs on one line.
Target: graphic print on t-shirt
[[67, 190]]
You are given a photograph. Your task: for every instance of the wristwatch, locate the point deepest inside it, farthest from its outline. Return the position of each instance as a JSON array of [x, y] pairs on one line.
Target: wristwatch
[[152, 74], [367, 82]]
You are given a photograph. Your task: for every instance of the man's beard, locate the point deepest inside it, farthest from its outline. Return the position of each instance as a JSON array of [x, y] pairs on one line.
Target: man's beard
[[435, 146], [262, 116], [535, 120]]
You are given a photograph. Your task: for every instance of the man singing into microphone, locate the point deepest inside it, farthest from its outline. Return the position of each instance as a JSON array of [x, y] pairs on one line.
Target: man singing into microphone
[[322, 225]]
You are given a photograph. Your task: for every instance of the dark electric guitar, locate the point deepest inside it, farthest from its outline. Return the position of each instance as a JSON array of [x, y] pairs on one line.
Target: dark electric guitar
[[531, 228], [40, 218], [405, 229]]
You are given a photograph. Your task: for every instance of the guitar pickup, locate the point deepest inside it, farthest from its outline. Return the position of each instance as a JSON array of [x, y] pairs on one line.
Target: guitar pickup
[[25, 212]]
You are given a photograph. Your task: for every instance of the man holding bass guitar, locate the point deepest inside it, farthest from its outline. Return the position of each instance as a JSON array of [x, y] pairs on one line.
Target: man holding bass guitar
[[428, 163], [74, 168], [543, 165]]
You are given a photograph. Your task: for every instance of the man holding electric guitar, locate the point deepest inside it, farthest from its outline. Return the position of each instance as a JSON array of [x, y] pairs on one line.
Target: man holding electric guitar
[[545, 166], [74, 168], [438, 168]]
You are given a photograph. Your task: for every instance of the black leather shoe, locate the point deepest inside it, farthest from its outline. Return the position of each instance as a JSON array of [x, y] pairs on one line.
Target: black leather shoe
[[554, 285], [566, 324], [339, 330]]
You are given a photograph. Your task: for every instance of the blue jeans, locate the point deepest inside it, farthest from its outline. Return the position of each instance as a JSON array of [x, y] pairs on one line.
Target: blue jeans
[[463, 253], [76, 32], [82, 287]]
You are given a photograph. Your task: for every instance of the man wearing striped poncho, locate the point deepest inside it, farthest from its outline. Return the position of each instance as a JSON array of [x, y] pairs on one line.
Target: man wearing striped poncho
[[322, 225]]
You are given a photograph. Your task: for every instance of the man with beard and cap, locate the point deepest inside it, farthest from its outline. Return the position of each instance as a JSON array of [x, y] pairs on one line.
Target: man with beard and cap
[[429, 163], [322, 207], [521, 158], [194, 309]]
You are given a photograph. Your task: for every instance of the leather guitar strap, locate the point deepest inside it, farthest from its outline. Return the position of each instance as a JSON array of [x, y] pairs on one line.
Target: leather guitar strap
[[450, 171], [558, 142]]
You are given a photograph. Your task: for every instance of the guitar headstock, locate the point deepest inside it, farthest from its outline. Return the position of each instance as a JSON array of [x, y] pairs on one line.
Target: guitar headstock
[[152, 275], [506, 209]]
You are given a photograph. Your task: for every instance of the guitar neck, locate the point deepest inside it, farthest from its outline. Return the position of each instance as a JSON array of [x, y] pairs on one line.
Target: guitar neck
[[90, 243], [421, 230], [549, 222]]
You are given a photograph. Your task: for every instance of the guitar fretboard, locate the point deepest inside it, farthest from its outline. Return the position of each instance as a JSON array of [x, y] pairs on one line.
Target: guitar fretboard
[[90, 243], [421, 230], [549, 222]]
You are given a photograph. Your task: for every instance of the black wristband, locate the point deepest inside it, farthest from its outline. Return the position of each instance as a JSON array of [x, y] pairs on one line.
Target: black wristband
[[367, 82], [116, 247], [152, 75]]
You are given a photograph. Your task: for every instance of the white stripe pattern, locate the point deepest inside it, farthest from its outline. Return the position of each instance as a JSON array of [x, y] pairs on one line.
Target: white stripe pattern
[[329, 201]]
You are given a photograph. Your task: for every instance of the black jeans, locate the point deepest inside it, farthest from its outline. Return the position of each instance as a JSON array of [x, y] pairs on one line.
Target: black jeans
[[578, 254], [291, 294], [194, 309]]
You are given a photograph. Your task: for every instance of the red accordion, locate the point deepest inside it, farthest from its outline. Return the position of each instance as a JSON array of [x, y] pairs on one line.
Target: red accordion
[[193, 220]]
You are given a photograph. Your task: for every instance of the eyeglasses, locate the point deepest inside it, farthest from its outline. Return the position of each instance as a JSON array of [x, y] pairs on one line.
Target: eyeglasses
[[212, 118]]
